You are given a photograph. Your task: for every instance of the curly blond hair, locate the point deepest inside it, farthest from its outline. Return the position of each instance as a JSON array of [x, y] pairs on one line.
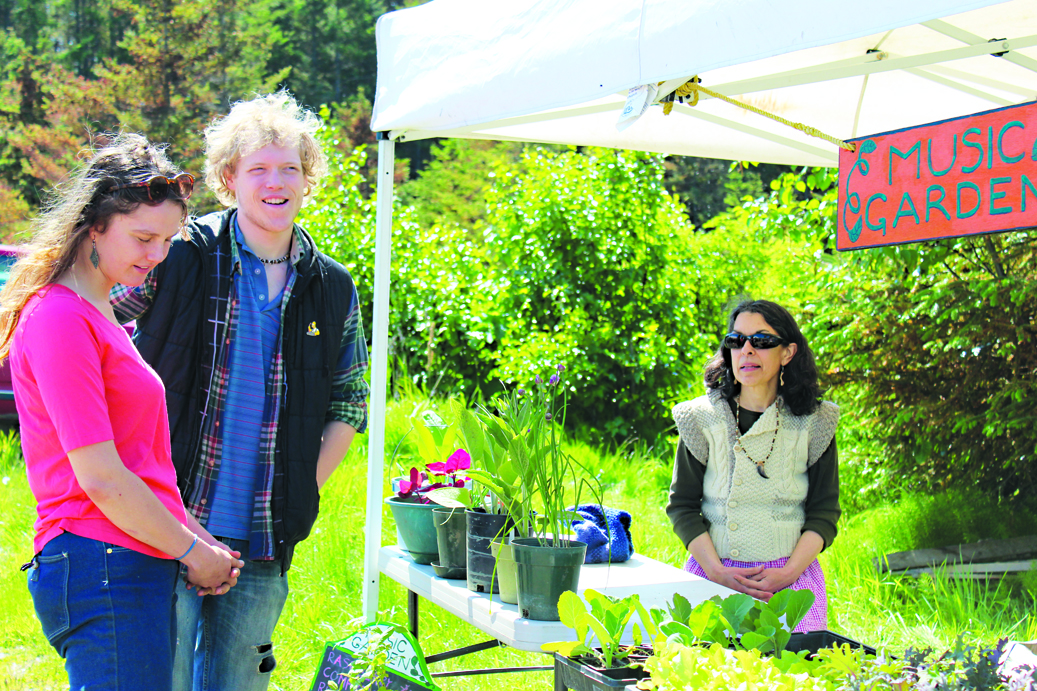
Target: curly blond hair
[[85, 202], [249, 126]]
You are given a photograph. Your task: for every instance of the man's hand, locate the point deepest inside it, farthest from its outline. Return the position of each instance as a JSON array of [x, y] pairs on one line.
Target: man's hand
[[212, 569]]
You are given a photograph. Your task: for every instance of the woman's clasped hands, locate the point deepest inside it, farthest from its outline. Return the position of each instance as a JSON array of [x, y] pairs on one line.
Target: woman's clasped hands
[[758, 581]]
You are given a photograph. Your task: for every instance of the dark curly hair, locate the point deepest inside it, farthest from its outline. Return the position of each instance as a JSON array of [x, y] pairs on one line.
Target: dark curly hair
[[801, 392]]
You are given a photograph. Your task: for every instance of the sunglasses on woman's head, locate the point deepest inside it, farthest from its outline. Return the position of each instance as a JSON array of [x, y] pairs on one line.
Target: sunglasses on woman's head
[[761, 341], [159, 187]]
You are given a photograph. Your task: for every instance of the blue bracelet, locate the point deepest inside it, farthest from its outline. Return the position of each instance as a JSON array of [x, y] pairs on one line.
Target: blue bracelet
[[195, 542]]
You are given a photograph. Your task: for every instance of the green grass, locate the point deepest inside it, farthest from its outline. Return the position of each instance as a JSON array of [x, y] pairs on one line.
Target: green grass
[[882, 610]]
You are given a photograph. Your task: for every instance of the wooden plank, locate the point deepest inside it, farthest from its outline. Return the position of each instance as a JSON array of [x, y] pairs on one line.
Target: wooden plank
[[985, 551], [974, 570]]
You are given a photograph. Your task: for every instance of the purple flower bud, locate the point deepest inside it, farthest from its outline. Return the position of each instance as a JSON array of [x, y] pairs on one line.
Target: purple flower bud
[[561, 368], [548, 416], [553, 380], [538, 379], [521, 392]]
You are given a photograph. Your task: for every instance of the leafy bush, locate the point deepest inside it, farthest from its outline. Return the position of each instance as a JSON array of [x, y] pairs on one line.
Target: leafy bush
[[941, 338], [597, 271]]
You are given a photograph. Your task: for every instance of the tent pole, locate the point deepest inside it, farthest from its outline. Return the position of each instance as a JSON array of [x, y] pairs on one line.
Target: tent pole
[[379, 369]]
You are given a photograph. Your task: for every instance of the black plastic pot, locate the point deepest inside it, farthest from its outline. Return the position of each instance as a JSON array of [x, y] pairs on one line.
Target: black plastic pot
[[451, 538], [812, 641], [580, 676], [544, 573], [482, 529]]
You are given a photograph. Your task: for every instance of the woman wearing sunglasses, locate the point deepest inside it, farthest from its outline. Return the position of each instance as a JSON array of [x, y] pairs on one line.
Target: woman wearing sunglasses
[[110, 522], [755, 491]]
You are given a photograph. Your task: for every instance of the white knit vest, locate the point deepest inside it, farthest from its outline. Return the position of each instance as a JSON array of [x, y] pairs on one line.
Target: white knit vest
[[754, 518]]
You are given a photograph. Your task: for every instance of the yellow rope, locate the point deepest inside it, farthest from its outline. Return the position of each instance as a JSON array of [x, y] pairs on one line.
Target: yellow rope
[[690, 91]]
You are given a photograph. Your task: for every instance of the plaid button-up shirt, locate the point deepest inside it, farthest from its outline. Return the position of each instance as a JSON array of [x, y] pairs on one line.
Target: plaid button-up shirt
[[348, 402]]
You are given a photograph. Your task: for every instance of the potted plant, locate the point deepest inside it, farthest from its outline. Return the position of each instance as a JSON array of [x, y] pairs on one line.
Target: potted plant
[[531, 479], [495, 497], [449, 519], [411, 506], [581, 666], [735, 623]]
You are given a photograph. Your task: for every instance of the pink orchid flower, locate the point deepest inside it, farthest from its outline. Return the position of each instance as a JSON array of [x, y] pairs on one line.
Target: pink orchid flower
[[416, 481], [459, 460]]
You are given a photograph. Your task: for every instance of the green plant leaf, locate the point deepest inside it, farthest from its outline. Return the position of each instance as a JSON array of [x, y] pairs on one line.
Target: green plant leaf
[[768, 619], [681, 608], [704, 619], [733, 609], [799, 604], [756, 640], [647, 621], [676, 631], [604, 637], [451, 497], [570, 607], [566, 648]]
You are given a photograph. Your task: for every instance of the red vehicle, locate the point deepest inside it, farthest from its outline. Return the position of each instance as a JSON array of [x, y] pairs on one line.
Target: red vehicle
[[8, 256], [8, 413]]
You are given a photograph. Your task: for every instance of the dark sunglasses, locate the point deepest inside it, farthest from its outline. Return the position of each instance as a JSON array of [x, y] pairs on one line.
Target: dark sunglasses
[[735, 341], [159, 187]]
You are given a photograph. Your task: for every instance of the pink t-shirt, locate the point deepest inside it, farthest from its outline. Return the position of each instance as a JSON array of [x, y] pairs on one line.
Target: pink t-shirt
[[78, 380]]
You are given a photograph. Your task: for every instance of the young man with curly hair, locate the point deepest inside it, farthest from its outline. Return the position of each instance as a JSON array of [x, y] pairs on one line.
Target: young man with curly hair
[[257, 336]]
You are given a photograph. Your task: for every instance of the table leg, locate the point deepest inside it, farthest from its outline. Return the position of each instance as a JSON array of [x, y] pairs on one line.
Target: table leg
[[412, 619], [412, 612]]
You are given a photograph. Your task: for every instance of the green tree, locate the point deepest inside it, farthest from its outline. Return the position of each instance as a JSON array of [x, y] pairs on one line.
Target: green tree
[[598, 273], [442, 314], [452, 187], [329, 47], [931, 348]]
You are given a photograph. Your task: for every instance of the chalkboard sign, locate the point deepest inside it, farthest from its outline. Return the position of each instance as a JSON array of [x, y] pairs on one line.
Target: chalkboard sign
[[405, 665]]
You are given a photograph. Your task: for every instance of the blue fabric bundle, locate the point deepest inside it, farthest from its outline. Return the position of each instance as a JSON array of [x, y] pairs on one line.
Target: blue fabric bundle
[[606, 532]]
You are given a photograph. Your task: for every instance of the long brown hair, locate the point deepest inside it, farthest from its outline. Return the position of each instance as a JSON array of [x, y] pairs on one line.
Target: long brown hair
[[83, 203]]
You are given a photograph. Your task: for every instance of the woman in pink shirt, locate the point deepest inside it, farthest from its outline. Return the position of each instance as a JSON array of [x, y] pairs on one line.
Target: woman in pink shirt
[[111, 526]]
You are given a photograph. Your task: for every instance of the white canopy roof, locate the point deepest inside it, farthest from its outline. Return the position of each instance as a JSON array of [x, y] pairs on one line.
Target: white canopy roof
[[559, 70]]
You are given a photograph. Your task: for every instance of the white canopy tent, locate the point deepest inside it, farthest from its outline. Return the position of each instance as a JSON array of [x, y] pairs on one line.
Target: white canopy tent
[[559, 71]]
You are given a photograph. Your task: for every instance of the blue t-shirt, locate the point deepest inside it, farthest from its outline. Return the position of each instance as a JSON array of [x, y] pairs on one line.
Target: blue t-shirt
[[250, 357]]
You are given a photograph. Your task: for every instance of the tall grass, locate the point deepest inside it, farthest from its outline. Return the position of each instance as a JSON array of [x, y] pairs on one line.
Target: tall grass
[[883, 610]]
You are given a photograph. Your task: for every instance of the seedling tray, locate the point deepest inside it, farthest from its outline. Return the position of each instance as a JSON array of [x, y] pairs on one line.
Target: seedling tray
[[577, 676], [812, 641]]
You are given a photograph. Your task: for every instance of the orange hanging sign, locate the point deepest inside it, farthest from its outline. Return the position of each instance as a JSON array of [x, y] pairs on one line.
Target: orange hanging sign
[[967, 176]]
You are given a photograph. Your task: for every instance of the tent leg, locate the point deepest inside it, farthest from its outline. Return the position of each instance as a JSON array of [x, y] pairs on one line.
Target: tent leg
[[379, 379]]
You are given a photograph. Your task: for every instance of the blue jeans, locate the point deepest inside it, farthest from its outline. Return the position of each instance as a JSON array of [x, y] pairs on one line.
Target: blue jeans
[[225, 642], [108, 611]]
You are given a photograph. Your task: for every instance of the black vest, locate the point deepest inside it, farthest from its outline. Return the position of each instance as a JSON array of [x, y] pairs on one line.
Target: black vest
[[183, 335]]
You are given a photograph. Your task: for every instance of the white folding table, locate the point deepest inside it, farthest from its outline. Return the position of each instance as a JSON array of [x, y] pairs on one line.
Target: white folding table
[[653, 581]]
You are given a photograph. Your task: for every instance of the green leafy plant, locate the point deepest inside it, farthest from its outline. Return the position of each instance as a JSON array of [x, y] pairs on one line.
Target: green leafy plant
[[737, 621], [370, 662], [603, 617], [519, 439], [675, 666]]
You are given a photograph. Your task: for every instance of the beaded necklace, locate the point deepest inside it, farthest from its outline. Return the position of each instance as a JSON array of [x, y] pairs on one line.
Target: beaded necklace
[[282, 260], [759, 464]]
